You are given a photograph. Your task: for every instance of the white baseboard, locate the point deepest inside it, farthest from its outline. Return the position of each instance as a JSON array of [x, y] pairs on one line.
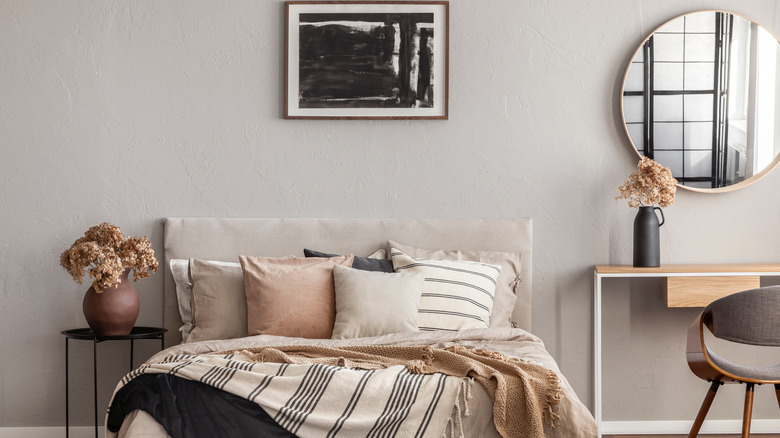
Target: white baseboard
[[684, 426], [50, 432]]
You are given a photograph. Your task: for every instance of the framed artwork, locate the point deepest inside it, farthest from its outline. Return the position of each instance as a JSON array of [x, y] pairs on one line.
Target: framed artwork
[[366, 60]]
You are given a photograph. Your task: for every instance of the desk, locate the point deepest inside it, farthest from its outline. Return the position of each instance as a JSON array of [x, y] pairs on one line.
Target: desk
[[88, 335], [708, 272]]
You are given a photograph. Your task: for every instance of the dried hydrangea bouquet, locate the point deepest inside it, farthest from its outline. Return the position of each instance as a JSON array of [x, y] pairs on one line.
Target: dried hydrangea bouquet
[[650, 185], [111, 304]]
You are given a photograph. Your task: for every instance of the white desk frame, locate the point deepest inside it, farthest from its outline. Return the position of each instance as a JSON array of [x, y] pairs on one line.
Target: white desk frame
[[619, 271]]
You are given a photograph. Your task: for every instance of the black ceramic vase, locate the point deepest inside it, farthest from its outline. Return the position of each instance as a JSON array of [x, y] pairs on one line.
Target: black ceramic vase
[[647, 241]]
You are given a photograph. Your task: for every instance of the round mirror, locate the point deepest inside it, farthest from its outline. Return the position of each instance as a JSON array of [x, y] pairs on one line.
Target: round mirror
[[701, 96]]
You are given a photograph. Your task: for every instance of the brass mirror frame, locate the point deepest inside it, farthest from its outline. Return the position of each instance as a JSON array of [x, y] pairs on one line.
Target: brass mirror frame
[[730, 188]]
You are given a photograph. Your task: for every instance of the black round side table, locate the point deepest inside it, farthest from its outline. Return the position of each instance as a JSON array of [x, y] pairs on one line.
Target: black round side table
[[86, 334]]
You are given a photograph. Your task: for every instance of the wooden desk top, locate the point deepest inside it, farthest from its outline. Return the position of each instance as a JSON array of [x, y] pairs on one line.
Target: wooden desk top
[[690, 268]]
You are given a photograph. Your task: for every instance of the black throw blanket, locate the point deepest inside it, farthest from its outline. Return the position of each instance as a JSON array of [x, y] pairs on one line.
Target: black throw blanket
[[190, 409]]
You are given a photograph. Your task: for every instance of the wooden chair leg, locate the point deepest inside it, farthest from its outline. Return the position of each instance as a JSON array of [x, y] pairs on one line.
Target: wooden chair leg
[[705, 407], [777, 393], [747, 414]]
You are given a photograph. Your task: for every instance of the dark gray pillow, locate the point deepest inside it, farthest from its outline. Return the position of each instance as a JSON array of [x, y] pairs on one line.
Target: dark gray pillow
[[362, 263]]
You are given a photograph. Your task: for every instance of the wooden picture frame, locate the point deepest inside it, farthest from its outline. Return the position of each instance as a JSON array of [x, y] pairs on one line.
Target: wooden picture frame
[[366, 60]]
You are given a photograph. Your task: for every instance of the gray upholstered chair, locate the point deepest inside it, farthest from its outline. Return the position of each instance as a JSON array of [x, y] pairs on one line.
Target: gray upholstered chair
[[749, 317]]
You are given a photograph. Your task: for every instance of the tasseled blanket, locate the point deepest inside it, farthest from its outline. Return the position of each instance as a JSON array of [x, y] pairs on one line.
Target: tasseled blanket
[[525, 395]]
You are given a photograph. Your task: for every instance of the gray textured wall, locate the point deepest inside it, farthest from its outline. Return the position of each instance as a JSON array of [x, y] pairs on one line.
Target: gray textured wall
[[130, 111]]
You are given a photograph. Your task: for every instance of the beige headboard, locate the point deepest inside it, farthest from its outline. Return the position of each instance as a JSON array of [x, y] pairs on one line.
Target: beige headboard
[[225, 239]]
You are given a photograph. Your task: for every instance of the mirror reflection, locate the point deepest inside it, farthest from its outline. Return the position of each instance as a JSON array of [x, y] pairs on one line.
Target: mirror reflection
[[701, 96]]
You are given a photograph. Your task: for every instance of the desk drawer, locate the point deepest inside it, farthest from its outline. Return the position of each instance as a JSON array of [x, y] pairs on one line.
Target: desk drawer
[[700, 291]]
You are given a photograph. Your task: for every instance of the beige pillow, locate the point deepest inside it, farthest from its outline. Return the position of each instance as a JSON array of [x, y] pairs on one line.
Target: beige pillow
[[180, 271], [218, 301], [456, 295], [291, 296], [510, 262], [370, 303]]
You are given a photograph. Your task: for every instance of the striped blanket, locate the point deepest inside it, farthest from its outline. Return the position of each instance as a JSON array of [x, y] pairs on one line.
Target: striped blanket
[[316, 400], [373, 391]]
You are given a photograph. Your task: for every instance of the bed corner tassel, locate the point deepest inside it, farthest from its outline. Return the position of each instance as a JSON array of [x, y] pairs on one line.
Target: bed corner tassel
[[551, 415], [461, 409]]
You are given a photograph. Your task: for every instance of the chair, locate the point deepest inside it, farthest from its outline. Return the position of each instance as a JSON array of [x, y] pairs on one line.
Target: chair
[[749, 317]]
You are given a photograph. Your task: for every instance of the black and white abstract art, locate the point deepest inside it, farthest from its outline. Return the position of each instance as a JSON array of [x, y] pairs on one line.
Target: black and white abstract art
[[366, 60]]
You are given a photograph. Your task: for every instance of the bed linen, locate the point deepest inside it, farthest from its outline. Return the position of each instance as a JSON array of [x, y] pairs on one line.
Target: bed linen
[[187, 408], [567, 418], [308, 400]]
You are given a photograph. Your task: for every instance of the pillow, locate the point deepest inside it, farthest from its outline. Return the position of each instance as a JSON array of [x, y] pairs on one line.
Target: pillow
[[374, 303], [218, 301], [291, 296], [370, 263], [180, 270], [510, 262], [181, 277], [456, 295]]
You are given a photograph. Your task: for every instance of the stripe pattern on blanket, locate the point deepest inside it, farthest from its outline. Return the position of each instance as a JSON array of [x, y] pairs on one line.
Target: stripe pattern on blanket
[[319, 400]]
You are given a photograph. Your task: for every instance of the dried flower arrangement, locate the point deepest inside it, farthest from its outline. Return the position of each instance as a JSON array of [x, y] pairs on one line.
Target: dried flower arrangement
[[107, 253], [651, 184]]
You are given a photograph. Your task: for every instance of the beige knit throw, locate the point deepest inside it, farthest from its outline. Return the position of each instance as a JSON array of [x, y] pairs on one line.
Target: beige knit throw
[[525, 395]]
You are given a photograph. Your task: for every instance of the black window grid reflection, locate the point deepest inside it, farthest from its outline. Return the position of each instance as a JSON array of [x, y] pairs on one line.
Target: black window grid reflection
[[682, 155]]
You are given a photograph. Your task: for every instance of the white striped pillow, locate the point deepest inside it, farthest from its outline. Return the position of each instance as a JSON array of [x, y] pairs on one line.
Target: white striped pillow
[[456, 295]]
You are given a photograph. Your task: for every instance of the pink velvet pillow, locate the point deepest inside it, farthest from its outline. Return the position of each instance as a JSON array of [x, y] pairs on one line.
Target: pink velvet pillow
[[291, 296]]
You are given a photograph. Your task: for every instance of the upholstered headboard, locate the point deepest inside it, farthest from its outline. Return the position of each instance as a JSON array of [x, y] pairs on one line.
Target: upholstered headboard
[[225, 239]]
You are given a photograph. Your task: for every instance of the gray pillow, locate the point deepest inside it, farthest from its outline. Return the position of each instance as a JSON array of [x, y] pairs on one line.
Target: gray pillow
[[374, 303], [361, 263], [218, 301], [180, 269]]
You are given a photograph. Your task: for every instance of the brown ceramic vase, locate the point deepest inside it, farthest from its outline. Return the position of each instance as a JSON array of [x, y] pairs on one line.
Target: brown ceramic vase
[[112, 312]]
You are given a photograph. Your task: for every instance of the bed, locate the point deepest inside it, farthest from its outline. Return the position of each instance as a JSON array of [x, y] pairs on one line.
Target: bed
[[446, 371]]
